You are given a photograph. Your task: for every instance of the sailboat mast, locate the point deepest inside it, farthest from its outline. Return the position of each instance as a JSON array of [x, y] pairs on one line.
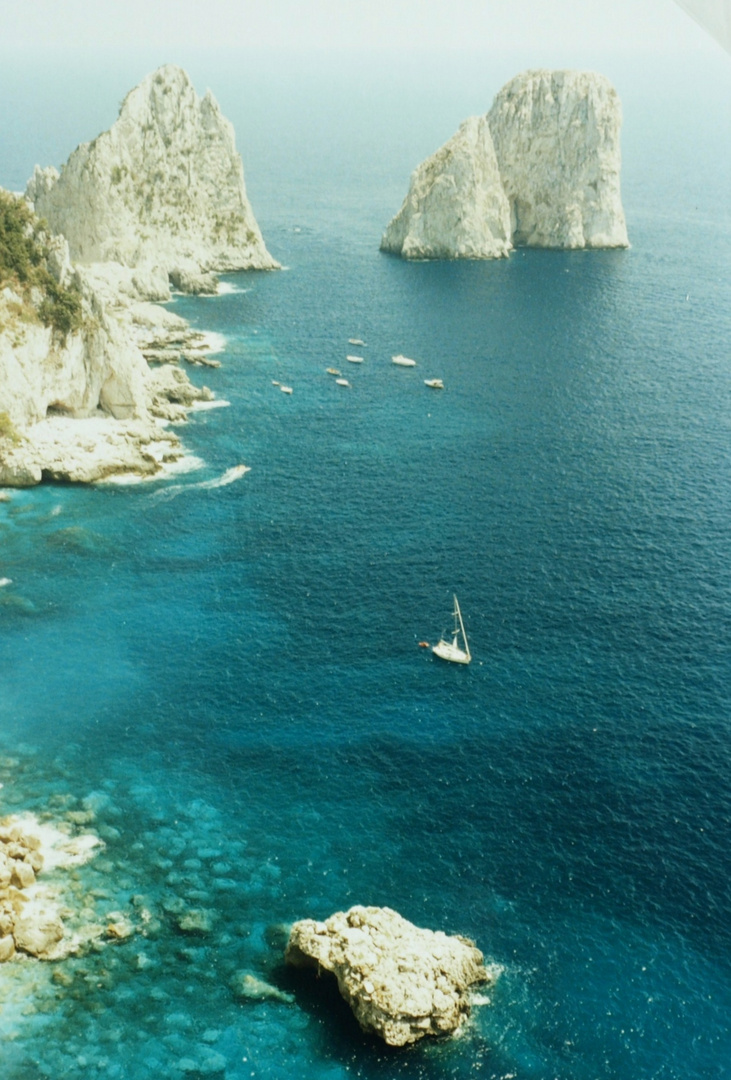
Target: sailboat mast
[[458, 613]]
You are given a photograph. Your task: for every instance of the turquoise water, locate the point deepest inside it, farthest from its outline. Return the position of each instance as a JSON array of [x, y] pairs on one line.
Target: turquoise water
[[233, 674]]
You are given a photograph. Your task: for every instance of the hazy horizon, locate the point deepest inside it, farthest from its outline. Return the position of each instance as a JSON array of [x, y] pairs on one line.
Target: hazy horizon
[[326, 25]]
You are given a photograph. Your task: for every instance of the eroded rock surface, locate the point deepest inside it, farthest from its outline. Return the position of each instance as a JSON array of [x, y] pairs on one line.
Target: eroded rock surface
[[31, 913], [456, 206], [85, 405], [556, 136], [164, 187], [541, 169], [402, 982]]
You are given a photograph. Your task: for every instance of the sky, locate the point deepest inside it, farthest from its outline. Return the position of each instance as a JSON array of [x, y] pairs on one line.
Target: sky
[[307, 25]]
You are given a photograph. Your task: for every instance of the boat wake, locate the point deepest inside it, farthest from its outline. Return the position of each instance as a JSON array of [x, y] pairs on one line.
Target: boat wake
[[218, 481]]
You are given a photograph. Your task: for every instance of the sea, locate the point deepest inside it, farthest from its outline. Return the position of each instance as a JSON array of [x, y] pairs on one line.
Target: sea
[[225, 679]]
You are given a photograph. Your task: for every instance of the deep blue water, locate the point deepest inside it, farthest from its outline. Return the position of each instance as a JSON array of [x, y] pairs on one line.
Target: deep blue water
[[238, 668]]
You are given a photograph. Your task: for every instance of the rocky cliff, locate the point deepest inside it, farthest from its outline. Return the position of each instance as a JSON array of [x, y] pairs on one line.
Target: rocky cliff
[[556, 136], [89, 374], [542, 169], [78, 399], [456, 206], [164, 187]]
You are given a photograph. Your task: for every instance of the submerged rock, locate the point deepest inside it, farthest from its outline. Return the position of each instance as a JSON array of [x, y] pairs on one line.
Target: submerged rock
[[541, 169], [251, 988], [402, 982]]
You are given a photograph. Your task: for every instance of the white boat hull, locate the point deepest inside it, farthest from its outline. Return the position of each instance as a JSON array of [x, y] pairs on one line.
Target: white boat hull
[[450, 650], [447, 650]]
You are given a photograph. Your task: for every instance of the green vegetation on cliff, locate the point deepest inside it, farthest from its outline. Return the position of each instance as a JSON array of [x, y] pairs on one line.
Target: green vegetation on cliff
[[23, 266]]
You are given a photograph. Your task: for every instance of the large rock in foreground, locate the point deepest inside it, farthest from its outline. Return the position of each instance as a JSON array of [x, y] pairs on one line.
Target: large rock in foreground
[[556, 136], [163, 187], [542, 169], [401, 982]]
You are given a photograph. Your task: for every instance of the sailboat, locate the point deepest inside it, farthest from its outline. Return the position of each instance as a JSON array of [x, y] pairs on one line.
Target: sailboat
[[450, 650]]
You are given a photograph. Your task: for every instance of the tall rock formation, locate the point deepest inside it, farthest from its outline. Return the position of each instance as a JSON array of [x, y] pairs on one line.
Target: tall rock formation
[[540, 170], [164, 187], [556, 136], [456, 206]]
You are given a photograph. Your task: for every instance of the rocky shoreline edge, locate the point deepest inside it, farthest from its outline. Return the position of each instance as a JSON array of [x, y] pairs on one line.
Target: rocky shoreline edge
[[90, 375], [126, 900], [402, 982], [70, 444]]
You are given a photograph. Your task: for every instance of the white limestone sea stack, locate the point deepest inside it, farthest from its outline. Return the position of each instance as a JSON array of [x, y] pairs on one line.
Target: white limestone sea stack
[[163, 188], [402, 982], [554, 138], [89, 365], [456, 206]]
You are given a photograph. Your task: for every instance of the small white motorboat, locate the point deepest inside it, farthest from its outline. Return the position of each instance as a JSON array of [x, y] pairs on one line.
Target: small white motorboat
[[286, 389], [436, 384], [332, 371], [356, 341], [275, 382], [403, 361], [5, 581], [354, 359], [451, 650], [342, 382]]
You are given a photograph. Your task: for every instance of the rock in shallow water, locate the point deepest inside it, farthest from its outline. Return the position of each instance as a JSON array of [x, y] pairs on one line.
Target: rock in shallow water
[[402, 982], [251, 988]]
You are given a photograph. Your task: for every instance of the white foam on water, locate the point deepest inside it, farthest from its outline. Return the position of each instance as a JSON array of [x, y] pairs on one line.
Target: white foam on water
[[228, 477], [201, 406], [214, 341], [187, 463], [226, 288], [56, 846]]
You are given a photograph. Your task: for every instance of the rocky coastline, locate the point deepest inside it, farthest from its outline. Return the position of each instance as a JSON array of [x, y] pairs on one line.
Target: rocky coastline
[[40, 915], [155, 204], [124, 895]]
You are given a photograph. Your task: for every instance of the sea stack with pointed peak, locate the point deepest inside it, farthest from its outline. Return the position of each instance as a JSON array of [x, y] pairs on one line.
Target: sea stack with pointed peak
[[456, 206], [554, 138], [162, 188]]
